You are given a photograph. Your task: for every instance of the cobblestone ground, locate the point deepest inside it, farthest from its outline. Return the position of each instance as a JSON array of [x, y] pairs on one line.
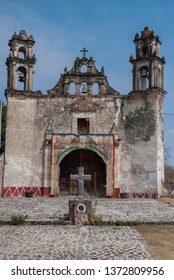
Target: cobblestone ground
[[50, 209], [74, 242], [71, 243]]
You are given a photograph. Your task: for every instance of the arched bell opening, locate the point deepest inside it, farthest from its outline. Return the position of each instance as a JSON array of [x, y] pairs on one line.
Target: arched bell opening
[[22, 53], [84, 88], [144, 78], [95, 88], [84, 69], [21, 78], [72, 88], [93, 165]]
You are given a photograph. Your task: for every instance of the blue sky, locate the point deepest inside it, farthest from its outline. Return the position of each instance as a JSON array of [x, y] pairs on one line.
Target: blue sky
[[62, 28]]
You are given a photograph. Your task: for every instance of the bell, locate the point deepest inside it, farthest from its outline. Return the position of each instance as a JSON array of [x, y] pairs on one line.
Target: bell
[[144, 73], [84, 89], [21, 77]]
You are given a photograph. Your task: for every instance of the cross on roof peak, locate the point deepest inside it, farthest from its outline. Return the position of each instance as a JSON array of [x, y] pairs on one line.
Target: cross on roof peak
[[84, 52]]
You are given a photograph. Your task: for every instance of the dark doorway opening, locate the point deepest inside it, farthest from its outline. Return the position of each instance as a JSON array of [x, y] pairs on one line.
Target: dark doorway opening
[[93, 164]]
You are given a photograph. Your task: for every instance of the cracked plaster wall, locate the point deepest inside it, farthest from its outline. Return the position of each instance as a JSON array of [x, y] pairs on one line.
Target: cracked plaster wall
[[137, 158], [141, 166]]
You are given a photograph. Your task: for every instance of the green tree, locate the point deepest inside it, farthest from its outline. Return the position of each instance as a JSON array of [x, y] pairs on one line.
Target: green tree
[[3, 127]]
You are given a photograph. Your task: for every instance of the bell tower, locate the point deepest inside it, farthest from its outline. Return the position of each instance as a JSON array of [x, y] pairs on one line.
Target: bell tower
[[147, 67], [20, 62]]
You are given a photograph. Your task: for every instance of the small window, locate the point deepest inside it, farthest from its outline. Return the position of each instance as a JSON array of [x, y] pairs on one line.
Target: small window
[[83, 126]]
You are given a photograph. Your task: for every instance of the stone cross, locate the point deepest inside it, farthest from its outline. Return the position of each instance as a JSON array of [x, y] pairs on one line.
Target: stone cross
[[84, 51], [80, 178]]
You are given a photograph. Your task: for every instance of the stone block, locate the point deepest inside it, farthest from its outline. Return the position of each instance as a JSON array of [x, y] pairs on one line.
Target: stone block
[[79, 210]]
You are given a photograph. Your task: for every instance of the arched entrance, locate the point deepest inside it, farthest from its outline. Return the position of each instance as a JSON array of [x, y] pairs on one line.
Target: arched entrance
[[93, 164]]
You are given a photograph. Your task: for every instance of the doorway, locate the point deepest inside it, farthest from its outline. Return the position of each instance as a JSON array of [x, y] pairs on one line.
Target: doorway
[[93, 164]]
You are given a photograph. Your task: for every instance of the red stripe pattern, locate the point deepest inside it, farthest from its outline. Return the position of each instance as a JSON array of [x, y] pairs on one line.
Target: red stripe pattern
[[21, 191]]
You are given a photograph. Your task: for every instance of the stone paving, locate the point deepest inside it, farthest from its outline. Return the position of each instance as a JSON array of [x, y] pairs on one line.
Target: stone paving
[[51, 209], [71, 243], [75, 242]]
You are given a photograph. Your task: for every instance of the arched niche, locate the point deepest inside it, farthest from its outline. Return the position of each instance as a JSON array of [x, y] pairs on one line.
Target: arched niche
[[84, 68], [21, 78], [144, 78], [84, 88], [95, 88], [72, 88], [22, 53]]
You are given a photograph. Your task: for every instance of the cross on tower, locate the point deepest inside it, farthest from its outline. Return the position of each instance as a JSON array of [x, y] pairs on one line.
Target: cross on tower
[[80, 178], [84, 51]]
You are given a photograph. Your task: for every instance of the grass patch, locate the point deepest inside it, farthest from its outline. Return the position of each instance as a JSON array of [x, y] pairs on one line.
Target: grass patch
[[18, 220], [122, 223], [95, 220], [159, 239], [62, 221]]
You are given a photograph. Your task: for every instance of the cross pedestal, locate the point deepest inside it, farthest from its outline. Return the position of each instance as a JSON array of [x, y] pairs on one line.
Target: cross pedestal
[[79, 210], [80, 178]]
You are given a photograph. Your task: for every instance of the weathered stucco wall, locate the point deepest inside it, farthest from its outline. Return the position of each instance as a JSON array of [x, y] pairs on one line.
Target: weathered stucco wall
[[133, 118], [23, 154], [141, 167]]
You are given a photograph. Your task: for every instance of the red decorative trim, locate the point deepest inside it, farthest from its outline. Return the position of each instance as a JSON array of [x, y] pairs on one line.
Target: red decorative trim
[[46, 190], [144, 195], [39, 191], [21, 191], [117, 194]]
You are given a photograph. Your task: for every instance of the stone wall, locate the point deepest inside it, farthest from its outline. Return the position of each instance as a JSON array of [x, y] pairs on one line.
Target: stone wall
[[133, 119]]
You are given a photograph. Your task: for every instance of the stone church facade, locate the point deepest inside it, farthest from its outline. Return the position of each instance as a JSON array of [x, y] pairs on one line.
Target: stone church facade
[[83, 121]]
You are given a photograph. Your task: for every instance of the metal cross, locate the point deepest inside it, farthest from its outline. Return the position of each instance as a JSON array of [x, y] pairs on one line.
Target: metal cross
[[80, 178], [84, 51]]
